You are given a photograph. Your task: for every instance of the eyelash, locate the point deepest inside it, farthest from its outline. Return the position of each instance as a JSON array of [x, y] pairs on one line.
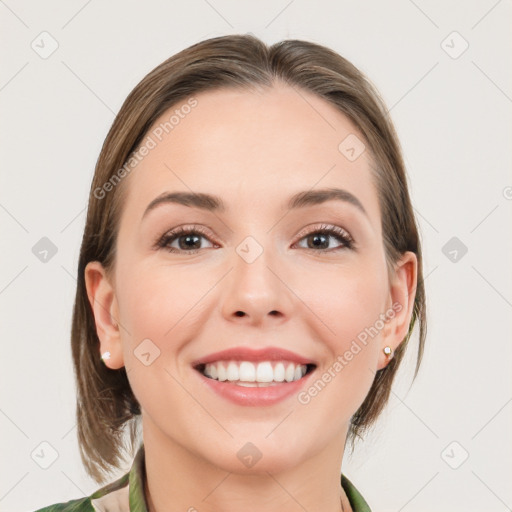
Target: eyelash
[[340, 234]]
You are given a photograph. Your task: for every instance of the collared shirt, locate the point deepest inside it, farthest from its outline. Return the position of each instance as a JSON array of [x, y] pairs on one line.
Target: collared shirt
[[127, 494]]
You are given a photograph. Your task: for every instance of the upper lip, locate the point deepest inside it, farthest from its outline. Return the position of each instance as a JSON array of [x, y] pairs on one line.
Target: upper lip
[[250, 354]]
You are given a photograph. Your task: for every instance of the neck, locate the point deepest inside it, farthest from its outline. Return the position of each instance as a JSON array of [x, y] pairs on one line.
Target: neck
[[177, 479]]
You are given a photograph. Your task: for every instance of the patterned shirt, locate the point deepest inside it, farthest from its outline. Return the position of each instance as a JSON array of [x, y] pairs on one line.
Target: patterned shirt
[[127, 494]]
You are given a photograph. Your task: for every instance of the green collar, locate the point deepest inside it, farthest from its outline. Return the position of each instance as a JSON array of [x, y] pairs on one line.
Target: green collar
[[357, 502]]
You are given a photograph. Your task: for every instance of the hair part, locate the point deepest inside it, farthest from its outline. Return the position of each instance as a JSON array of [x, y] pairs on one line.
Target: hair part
[[106, 405]]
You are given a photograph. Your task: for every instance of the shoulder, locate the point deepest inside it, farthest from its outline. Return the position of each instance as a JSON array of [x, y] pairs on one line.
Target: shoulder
[[355, 498], [113, 496], [78, 505]]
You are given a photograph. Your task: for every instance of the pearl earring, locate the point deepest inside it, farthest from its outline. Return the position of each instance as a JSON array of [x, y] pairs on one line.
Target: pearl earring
[[105, 356], [387, 351]]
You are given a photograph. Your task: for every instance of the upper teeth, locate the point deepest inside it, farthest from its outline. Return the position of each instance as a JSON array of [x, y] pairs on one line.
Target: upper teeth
[[246, 371]]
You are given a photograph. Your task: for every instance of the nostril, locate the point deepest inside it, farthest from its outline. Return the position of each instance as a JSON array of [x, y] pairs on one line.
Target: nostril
[[239, 313]]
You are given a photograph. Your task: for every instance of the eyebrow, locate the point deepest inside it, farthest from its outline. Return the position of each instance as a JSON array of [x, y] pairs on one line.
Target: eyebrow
[[213, 203]]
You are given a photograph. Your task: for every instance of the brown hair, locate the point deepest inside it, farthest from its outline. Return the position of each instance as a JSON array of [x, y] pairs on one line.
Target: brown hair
[[106, 405]]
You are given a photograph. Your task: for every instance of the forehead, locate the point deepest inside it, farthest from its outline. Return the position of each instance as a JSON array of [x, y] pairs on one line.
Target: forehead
[[260, 144]]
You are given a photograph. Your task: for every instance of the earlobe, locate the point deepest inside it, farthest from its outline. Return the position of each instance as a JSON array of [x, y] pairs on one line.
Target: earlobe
[[402, 296], [101, 295]]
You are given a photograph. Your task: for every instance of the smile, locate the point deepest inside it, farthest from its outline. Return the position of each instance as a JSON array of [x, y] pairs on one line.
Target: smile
[[251, 377], [249, 374]]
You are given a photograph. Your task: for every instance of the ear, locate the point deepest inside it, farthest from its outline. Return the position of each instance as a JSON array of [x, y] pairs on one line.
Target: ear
[[400, 304], [103, 302]]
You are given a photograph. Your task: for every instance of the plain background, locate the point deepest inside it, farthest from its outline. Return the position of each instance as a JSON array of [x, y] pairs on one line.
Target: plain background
[[452, 110]]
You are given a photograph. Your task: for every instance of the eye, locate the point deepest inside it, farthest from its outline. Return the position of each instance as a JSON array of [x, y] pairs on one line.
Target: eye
[[319, 239], [187, 239], [183, 239]]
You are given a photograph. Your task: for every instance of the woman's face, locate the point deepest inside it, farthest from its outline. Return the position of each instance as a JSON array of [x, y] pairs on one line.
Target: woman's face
[[256, 273]]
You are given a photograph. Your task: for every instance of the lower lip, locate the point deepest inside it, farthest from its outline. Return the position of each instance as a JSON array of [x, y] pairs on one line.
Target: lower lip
[[255, 396]]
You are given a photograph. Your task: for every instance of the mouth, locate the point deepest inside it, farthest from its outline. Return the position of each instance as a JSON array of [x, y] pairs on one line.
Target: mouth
[[255, 374], [250, 377]]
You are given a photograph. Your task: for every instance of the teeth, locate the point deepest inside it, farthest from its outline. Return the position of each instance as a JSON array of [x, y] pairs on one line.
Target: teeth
[[279, 372], [221, 372], [247, 372], [262, 374], [233, 372], [289, 373]]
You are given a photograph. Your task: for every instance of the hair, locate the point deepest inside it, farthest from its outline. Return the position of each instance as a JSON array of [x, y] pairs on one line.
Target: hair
[[106, 405]]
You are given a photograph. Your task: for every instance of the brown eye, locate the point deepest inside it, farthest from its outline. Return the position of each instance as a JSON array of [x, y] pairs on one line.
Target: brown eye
[[189, 241], [322, 239], [186, 240]]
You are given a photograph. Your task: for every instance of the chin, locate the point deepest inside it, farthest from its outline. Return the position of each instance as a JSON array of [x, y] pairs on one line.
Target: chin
[[257, 457]]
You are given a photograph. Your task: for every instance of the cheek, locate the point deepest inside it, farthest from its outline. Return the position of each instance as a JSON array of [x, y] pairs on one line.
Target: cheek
[[157, 308], [348, 304], [163, 309], [155, 300], [346, 300], [348, 309]]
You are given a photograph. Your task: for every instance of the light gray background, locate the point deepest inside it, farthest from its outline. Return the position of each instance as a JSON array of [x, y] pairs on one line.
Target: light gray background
[[453, 117]]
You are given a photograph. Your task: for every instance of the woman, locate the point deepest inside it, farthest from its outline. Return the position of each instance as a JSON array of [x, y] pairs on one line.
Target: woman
[[249, 278]]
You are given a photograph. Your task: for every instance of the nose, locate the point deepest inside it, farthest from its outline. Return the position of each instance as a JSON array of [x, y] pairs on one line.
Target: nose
[[255, 291]]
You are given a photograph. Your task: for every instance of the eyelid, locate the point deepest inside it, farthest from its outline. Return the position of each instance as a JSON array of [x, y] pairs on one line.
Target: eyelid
[[324, 227]]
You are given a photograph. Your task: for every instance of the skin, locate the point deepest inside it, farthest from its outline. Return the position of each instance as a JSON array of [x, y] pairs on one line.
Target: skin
[[254, 150]]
